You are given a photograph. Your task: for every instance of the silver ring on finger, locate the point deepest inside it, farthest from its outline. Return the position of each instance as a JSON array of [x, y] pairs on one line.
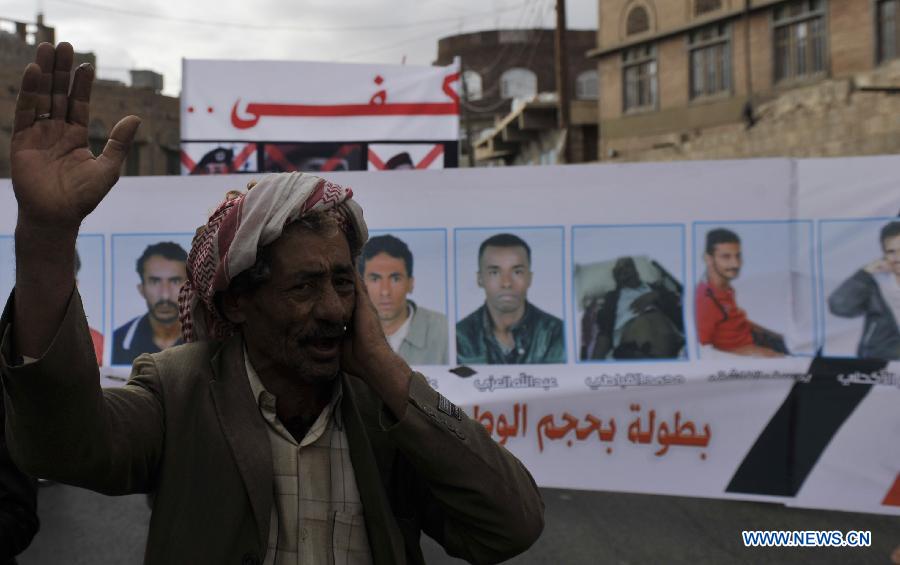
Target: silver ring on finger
[[43, 116]]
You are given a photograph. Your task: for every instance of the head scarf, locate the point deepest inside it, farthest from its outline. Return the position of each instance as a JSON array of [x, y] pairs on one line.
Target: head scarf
[[229, 242]]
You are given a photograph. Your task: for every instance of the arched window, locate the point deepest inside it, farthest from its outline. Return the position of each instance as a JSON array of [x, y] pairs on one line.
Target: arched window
[[638, 21], [703, 6], [472, 82], [518, 83], [587, 86]]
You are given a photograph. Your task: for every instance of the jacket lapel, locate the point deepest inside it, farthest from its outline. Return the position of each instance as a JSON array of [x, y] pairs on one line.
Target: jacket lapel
[[385, 538], [245, 430]]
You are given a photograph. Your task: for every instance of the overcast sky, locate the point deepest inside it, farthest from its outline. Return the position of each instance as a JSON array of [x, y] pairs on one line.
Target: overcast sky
[[156, 35]]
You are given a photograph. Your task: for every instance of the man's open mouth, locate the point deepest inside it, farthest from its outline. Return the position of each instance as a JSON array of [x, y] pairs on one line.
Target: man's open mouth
[[324, 345]]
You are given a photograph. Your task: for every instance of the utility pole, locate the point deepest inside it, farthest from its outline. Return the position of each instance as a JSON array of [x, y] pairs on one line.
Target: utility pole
[[465, 117], [749, 112], [748, 67], [562, 78]]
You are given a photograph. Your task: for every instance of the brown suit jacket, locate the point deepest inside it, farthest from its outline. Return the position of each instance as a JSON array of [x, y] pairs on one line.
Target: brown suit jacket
[[186, 428]]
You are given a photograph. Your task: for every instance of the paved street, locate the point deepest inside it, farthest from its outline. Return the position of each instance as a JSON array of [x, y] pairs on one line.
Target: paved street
[[84, 528]]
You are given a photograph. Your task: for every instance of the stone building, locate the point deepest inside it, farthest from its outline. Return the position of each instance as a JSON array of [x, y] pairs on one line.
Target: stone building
[[696, 79], [500, 66], [156, 149]]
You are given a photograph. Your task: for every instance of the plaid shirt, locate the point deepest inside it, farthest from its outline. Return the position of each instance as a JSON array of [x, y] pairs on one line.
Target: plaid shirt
[[317, 516]]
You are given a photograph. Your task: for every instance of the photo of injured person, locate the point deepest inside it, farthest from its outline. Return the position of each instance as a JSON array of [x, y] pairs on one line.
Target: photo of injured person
[[628, 306]]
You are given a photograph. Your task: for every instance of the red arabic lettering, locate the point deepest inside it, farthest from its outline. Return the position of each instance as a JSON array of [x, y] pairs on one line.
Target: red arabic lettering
[[548, 429], [501, 426], [377, 106]]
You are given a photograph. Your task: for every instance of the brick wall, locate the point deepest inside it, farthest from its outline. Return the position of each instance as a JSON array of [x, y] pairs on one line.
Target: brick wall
[[828, 119], [852, 37], [157, 137], [850, 47]]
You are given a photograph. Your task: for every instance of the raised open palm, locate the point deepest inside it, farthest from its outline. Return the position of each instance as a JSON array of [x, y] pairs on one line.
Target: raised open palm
[[56, 178]]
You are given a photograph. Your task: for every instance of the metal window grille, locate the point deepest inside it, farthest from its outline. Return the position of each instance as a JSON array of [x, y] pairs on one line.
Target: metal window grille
[[703, 6], [639, 78], [710, 61], [888, 30], [799, 39], [638, 21]]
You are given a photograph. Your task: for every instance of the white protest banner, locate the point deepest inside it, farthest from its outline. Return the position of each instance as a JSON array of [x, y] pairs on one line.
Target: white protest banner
[[249, 116], [667, 409]]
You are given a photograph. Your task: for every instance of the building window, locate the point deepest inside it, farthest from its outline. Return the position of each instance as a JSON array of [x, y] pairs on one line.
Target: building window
[[587, 86], [799, 39], [518, 83], [638, 21], [888, 30], [472, 85], [639, 78], [710, 61], [705, 6]]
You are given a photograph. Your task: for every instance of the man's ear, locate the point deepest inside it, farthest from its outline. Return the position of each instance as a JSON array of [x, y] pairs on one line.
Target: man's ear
[[479, 280], [412, 285], [140, 289], [707, 258], [232, 308]]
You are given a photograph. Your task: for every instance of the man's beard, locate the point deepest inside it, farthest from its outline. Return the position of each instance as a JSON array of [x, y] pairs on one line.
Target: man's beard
[[303, 360], [728, 274]]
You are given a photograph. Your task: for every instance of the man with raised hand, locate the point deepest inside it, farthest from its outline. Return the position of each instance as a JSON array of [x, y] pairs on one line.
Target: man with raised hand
[[285, 429]]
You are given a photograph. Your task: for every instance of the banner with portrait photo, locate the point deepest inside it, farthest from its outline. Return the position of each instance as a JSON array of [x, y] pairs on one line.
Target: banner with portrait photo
[[617, 259], [256, 116]]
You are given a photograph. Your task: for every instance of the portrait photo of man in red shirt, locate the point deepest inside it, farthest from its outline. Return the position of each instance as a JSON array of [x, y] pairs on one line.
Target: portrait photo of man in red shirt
[[721, 323]]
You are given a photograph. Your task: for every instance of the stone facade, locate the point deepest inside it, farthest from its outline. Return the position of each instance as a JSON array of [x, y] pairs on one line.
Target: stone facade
[[819, 114], [836, 117], [491, 53], [156, 149]]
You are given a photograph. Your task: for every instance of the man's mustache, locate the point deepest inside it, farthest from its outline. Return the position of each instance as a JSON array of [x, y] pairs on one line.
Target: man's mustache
[[324, 330], [165, 303]]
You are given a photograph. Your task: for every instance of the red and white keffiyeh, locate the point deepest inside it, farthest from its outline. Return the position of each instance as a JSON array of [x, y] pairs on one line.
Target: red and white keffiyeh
[[239, 227]]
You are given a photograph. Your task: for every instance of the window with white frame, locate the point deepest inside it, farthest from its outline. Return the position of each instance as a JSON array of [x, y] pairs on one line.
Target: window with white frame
[[710, 61], [472, 84], [518, 83], [639, 78], [888, 29], [587, 86], [800, 39]]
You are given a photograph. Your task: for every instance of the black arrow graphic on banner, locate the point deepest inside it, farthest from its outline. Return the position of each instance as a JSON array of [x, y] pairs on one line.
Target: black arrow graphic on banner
[[792, 442]]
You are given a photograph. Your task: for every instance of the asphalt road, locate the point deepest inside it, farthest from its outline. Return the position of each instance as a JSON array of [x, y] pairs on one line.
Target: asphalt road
[[84, 528]]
